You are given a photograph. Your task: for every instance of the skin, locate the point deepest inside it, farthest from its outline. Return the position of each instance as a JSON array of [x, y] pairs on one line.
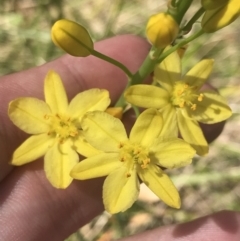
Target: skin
[[30, 208]]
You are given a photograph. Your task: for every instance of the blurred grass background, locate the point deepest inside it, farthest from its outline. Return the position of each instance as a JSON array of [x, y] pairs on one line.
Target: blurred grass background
[[211, 183]]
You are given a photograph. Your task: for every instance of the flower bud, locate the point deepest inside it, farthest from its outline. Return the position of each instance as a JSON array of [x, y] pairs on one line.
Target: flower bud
[[72, 38], [219, 17], [161, 30]]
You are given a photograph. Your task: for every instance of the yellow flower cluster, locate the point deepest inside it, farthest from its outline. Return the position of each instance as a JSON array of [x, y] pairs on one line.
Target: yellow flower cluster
[[61, 130], [175, 105]]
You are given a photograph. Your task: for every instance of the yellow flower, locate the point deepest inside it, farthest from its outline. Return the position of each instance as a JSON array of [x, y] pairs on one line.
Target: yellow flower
[[181, 101], [219, 14], [126, 160], [161, 30], [56, 128], [72, 38]]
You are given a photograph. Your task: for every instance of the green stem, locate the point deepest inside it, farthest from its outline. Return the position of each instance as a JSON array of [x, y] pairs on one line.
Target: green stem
[[112, 61], [182, 8], [173, 3], [121, 101], [179, 45], [100, 55], [196, 16], [147, 66]]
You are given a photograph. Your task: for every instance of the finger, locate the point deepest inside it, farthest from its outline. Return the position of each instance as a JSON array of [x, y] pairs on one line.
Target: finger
[[31, 207], [78, 74], [221, 226]]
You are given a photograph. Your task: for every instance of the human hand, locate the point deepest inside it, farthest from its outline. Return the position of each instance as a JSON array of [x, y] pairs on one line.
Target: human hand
[[220, 226], [31, 209]]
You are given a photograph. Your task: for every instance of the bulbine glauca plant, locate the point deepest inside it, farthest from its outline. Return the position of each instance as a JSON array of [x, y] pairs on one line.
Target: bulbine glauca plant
[[166, 133]]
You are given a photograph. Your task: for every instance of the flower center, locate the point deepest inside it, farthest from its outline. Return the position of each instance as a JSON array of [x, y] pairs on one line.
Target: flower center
[[132, 155], [185, 95], [62, 127]]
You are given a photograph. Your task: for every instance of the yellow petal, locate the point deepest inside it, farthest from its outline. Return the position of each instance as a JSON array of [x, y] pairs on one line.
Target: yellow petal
[[192, 133], [31, 149], [161, 185], [147, 127], [103, 131], [147, 96], [96, 166], [120, 191], [198, 75], [84, 148], [89, 100], [170, 128], [220, 17], [168, 71], [212, 109], [72, 38], [58, 162], [28, 114], [55, 94], [172, 152]]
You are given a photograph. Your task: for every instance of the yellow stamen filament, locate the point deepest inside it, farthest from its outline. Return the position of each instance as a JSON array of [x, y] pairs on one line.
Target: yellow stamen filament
[[62, 127], [200, 97], [133, 155], [184, 95]]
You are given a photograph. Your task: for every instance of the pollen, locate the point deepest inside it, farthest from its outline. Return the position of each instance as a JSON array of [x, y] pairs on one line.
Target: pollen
[[62, 127], [185, 95]]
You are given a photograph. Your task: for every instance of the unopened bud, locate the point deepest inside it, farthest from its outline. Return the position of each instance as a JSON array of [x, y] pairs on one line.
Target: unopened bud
[[72, 38], [161, 30], [220, 15]]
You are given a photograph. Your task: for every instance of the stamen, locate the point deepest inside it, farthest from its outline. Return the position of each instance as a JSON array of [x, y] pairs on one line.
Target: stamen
[[74, 133], [193, 107], [120, 145], [128, 175], [62, 127], [200, 97], [181, 105], [185, 95], [145, 163], [61, 141]]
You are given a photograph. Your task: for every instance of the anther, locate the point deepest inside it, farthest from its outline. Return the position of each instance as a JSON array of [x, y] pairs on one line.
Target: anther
[[200, 97], [193, 107], [120, 145], [128, 175]]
